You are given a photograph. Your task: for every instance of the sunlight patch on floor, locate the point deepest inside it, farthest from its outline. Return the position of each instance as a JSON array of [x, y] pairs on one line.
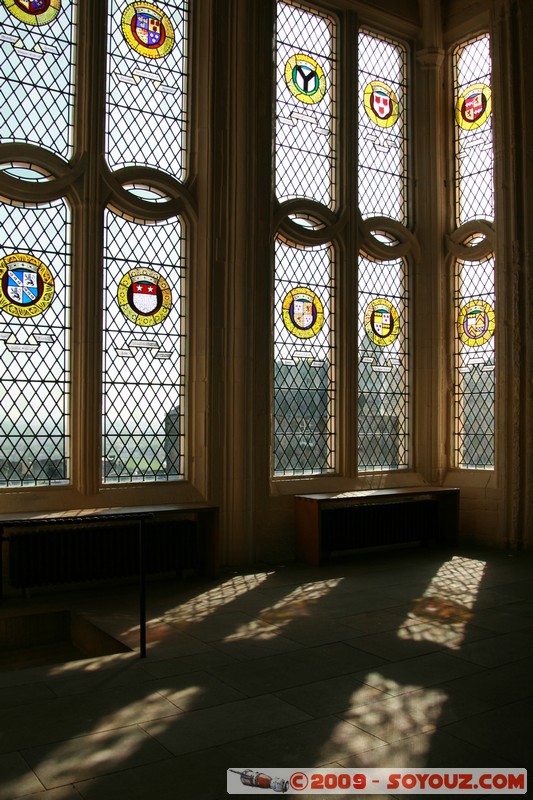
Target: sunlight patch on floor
[[443, 612], [201, 606], [298, 603], [407, 715]]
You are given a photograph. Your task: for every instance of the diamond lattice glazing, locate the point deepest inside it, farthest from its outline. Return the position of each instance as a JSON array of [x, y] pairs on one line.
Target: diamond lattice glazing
[[474, 154], [475, 364], [34, 347], [37, 80], [304, 389], [143, 383], [382, 139], [383, 389], [146, 117], [305, 91]]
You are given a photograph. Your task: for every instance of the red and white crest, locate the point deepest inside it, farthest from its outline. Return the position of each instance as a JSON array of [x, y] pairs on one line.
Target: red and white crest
[[144, 297], [381, 103]]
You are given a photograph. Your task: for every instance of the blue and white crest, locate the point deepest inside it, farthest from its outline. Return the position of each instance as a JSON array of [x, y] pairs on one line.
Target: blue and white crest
[[22, 286]]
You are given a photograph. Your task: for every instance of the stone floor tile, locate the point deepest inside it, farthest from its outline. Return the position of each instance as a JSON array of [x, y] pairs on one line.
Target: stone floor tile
[[496, 686], [211, 659], [222, 625], [166, 780], [213, 726], [331, 696], [88, 756], [62, 793], [294, 669], [373, 621], [64, 717], [256, 647], [314, 637], [430, 749], [501, 619], [24, 694], [305, 744], [414, 673], [390, 646], [406, 715], [497, 650], [195, 690], [312, 632], [506, 732], [17, 777]]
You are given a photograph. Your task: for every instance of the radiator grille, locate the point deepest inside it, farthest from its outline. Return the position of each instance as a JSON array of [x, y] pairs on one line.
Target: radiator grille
[[361, 525], [71, 554]]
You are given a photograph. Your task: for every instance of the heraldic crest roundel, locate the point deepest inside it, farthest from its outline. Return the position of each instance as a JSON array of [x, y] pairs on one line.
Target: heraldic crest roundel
[[303, 313], [147, 30], [26, 285], [476, 323], [474, 106], [305, 78], [144, 297], [381, 104], [34, 12], [382, 322]]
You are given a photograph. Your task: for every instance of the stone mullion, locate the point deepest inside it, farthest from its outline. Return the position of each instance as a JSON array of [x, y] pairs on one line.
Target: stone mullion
[[87, 230], [430, 357], [512, 22]]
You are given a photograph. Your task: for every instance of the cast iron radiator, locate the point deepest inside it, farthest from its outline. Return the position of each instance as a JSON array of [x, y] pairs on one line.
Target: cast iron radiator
[[58, 554], [371, 525]]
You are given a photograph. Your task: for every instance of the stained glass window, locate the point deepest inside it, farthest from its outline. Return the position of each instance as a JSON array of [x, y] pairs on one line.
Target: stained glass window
[[144, 293], [382, 128], [147, 84], [34, 344], [474, 277], [383, 394], [143, 400], [474, 155], [37, 86], [475, 365], [308, 167], [304, 387], [305, 105], [305, 169], [383, 389]]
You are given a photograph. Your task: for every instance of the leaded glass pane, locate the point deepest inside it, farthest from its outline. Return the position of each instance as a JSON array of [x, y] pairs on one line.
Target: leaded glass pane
[[304, 388], [474, 290], [474, 156], [34, 344], [37, 73], [382, 128], [144, 338], [474, 364], [383, 389], [305, 92], [146, 85]]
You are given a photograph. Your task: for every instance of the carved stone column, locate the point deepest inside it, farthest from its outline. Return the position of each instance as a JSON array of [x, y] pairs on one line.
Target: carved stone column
[[430, 348]]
